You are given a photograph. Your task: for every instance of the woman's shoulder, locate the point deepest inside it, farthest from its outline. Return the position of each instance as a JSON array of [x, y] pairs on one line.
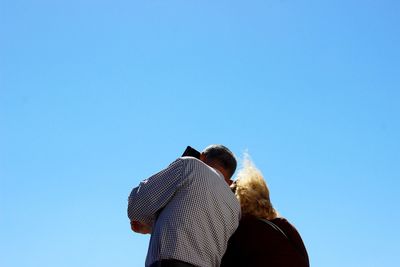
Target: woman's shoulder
[[253, 227], [288, 228], [293, 235], [250, 222], [282, 222]]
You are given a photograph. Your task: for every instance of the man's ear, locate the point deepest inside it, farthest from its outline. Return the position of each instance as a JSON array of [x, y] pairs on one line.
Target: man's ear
[[203, 157]]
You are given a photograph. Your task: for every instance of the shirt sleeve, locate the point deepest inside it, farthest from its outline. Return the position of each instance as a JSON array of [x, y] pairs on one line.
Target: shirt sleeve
[[152, 194]]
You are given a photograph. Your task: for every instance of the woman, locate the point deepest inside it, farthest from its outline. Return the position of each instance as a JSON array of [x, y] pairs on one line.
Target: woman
[[262, 238]]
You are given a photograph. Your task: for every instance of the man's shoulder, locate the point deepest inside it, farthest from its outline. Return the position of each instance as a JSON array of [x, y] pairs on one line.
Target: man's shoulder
[[192, 162], [184, 161], [195, 167], [189, 159]]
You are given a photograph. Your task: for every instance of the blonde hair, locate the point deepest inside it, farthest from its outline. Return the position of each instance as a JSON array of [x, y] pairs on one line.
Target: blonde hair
[[252, 192]]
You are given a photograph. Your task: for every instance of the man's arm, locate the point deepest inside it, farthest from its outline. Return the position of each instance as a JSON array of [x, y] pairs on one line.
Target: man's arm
[[150, 197]]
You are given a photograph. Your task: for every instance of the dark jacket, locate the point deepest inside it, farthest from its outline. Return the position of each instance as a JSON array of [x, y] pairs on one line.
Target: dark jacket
[[256, 243]]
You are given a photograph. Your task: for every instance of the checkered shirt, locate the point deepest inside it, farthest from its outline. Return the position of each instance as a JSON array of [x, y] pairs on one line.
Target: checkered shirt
[[191, 209]]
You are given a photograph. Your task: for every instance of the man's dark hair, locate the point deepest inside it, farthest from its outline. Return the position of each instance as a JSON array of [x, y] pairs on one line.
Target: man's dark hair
[[222, 156]]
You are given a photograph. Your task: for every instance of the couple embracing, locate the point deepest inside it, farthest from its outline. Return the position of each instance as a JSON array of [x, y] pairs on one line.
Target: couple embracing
[[197, 216]]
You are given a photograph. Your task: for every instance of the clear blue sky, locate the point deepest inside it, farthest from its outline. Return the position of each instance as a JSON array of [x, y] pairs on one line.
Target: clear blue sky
[[97, 95]]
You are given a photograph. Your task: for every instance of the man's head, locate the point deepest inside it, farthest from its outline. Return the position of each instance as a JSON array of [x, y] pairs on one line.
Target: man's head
[[221, 158]]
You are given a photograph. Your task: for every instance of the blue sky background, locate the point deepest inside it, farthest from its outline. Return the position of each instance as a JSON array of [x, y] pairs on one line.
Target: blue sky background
[[97, 95]]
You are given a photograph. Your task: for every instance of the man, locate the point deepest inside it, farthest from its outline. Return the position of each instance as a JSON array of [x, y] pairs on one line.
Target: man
[[189, 209]]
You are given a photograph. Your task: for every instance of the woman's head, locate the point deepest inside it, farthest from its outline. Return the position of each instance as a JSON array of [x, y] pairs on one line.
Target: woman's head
[[252, 192]]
